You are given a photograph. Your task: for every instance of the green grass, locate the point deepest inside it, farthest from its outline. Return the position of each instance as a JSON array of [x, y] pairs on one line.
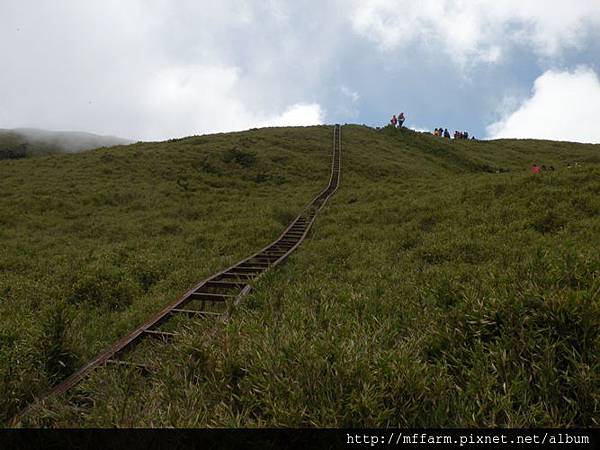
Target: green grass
[[443, 285], [91, 244]]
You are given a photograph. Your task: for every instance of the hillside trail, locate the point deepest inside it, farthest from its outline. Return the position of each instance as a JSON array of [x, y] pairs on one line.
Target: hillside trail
[[214, 297]]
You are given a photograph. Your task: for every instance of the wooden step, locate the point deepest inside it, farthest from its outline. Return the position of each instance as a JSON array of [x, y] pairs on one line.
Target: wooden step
[[117, 362], [164, 335], [195, 312], [210, 296], [225, 283]]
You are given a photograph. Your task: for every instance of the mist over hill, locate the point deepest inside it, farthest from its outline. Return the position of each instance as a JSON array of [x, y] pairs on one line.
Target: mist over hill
[[25, 142]]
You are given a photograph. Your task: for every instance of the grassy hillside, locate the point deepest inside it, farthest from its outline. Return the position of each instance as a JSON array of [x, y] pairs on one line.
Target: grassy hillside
[[443, 285], [91, 244]]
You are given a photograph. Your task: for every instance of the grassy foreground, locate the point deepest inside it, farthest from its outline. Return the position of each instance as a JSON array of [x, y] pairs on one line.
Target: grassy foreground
[[443, 285]]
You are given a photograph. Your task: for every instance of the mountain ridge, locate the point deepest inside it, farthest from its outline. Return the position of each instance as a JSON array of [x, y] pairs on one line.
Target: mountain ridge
[[22, 142]]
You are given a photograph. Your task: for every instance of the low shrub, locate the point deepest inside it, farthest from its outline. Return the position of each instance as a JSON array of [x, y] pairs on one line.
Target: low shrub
[[104, 286]]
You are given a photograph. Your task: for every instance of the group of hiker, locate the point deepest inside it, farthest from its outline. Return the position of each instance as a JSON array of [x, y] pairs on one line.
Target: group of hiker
[[539, 169], [398, 121], [443, 132], [462, 135]]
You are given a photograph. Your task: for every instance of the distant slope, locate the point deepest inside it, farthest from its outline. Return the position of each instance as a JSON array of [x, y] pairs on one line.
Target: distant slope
[[24, 142]]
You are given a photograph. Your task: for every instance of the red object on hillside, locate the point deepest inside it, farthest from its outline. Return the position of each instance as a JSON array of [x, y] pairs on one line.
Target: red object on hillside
[[535, 169]]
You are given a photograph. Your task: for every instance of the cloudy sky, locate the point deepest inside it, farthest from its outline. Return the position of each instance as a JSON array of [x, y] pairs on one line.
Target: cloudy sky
[[155, 69]]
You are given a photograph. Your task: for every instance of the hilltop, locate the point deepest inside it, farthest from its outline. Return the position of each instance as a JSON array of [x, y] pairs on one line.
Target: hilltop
[[442, 285], [25, 142]]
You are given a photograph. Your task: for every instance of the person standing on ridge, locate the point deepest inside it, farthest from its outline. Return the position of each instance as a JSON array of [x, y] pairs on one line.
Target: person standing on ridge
[[446, 133], [394, 121], [401, 119]]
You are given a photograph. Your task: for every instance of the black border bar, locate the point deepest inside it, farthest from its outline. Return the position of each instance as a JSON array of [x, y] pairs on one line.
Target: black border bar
[[284, 438]]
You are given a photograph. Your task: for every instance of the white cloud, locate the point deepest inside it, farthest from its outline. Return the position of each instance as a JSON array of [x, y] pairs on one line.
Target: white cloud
[[478, 31], [154, 69], [299, 115], [352, 95], [563, 106], [347, 103], [420, 129], [185, 100], [182, 101]]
